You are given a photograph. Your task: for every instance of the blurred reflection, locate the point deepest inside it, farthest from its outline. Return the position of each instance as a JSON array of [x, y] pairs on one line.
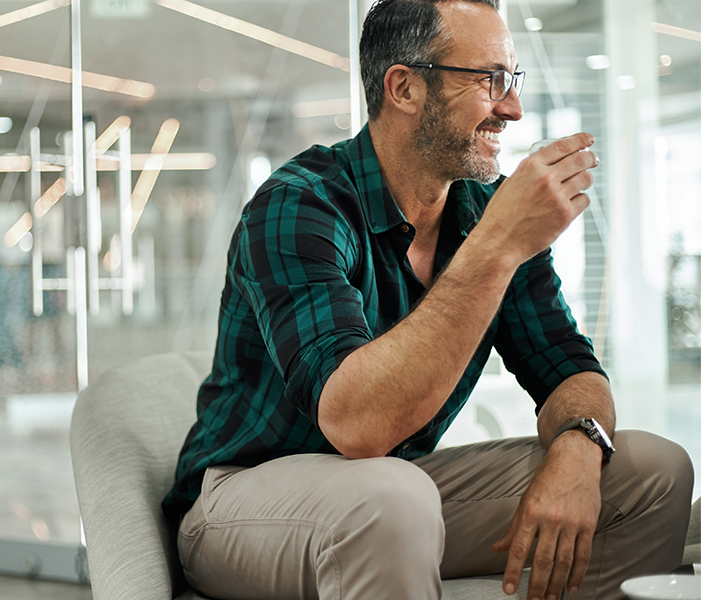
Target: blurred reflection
[[250, 84]]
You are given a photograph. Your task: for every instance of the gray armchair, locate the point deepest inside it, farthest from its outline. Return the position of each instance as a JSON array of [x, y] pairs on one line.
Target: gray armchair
[[127, 429]]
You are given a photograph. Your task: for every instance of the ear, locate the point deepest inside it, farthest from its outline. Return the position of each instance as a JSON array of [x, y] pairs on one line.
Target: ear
[[404, 90]]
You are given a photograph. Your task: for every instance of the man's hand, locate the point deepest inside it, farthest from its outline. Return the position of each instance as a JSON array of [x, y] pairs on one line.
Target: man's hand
[[542, 197], [561, 509]]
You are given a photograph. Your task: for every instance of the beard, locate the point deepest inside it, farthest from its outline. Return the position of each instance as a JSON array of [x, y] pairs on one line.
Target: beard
[[443, 146]]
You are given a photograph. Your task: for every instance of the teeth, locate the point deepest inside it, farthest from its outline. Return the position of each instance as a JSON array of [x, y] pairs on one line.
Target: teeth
[[490, 135]]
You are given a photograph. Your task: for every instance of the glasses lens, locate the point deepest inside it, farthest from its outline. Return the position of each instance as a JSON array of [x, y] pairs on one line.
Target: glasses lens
[[518, 84], [500, 85]]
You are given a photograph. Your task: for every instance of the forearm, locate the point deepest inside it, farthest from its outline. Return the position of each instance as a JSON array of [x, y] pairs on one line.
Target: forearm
[[583, 395], [388, 389]]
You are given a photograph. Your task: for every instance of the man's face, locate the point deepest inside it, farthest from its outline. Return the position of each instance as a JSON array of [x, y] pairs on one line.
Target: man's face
[[459, 126]]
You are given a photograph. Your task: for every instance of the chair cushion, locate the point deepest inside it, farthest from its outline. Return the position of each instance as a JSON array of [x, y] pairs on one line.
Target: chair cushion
[[692, 551], [126, 433], [487, 587], [483, 587]]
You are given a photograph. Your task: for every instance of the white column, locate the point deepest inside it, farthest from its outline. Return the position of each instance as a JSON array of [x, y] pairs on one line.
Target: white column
[[637, 250]]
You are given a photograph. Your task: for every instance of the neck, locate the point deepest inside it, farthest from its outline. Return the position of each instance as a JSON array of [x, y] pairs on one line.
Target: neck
[[417, 190]]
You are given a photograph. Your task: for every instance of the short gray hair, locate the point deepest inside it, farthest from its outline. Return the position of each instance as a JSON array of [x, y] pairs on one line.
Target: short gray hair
[[402, 32]]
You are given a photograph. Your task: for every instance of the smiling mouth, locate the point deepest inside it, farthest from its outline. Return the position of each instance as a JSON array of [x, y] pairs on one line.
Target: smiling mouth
[[488, 135]]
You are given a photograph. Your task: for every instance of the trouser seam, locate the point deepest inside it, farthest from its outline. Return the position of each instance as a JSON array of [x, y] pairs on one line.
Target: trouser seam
[[327, 529], [269, 521]]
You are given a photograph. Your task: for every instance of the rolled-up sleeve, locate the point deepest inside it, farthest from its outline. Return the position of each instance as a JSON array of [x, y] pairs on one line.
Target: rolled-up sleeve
[[537, 336], [293, 262]]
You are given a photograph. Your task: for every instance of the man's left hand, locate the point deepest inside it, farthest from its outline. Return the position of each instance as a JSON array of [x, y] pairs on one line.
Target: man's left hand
[[561, 508]]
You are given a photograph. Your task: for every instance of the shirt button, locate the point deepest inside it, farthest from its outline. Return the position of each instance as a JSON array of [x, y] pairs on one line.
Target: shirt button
[[405, 228]]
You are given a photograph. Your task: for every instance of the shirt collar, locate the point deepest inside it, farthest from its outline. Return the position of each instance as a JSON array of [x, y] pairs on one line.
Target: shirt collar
[[383, 216]]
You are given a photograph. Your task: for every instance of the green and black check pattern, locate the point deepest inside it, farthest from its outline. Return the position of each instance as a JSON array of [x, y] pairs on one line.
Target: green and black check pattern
[[317, 267]]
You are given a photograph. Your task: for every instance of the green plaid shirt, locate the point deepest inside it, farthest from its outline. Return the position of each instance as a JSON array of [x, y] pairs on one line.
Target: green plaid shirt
[[317, 267]]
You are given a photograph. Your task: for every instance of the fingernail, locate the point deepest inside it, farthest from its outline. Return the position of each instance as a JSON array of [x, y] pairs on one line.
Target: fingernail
[[509, 589], [552, 597], [574, 590]]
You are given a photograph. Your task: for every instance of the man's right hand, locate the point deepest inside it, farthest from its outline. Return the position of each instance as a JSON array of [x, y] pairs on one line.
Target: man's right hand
[[544, 195], [385, 391]]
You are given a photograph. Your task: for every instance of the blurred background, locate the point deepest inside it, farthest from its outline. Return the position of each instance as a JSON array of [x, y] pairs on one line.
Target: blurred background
[[203, 99]]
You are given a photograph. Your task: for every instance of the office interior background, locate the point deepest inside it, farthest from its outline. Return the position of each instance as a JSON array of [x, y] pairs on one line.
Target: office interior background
[[193, 103]]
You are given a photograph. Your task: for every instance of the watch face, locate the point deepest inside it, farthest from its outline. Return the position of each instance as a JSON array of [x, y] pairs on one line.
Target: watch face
[[602, 433]]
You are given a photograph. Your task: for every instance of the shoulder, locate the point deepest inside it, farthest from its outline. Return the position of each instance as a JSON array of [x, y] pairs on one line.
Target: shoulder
[[320, 170], [312, 194]]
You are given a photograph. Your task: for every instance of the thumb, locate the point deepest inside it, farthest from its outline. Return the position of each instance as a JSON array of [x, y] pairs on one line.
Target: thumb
[[504, 543]]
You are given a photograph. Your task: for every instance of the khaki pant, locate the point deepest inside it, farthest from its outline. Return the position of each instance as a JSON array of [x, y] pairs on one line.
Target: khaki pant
[[321, 526]]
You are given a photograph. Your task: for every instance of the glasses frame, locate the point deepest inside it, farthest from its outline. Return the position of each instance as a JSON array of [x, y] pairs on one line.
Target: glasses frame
[[517, 78]]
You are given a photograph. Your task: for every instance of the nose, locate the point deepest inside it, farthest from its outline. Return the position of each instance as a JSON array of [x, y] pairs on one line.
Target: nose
[[509, 109]]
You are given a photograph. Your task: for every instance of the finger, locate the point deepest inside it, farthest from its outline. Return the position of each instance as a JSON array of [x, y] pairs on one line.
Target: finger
[[502, 545], [518, 554], [579, 204], [577, 184], [542, 567], [564, 558], [565, 146], [582, 555], [575, 164], [505, 542]]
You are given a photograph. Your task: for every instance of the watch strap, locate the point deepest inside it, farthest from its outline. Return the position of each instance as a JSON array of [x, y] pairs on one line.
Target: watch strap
[[592, 429]]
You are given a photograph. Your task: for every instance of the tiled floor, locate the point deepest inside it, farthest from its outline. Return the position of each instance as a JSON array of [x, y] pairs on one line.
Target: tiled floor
[[38, 501], [16, 588]]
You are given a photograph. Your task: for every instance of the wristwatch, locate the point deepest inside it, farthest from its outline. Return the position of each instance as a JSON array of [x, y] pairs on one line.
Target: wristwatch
[[595, 432]]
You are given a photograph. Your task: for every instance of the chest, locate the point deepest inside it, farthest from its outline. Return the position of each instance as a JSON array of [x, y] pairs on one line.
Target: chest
[[422, 260]]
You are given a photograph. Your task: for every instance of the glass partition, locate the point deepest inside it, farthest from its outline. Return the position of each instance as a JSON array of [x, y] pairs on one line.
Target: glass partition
[[193, 103], [203, 102]]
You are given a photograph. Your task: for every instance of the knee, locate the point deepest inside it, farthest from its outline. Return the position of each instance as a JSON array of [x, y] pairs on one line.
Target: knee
[[656, 466], [394, 500]]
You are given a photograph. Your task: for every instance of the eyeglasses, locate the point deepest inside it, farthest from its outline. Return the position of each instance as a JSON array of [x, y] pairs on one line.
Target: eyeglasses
[[500, 82]]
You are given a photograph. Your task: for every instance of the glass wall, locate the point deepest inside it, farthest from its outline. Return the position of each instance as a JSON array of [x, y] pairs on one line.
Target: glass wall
[[213, 103], [226, 107]]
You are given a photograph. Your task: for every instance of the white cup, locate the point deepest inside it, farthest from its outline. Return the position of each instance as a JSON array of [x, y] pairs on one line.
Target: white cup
[[542, 143]]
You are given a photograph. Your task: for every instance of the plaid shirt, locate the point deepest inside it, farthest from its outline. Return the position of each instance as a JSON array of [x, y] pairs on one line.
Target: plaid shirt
[[317, 267]]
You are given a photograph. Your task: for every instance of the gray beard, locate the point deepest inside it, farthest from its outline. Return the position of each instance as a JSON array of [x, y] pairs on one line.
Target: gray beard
[[455, 155]]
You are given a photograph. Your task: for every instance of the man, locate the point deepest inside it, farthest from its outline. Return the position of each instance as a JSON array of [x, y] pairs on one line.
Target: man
[[367, 284]]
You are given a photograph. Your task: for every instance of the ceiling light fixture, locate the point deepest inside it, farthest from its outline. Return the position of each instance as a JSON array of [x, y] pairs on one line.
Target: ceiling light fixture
[[183, 161], [533, 24], [111, 134], [255, 32], [31, 11], [152, 168], [687, 34], [18, 230], [50, 197], [5, 124], [14, 164], [41, 207], [598, 62], [106, 83]]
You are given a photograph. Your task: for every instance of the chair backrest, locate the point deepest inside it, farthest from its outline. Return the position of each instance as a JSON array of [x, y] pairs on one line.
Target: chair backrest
[[126, 433]]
